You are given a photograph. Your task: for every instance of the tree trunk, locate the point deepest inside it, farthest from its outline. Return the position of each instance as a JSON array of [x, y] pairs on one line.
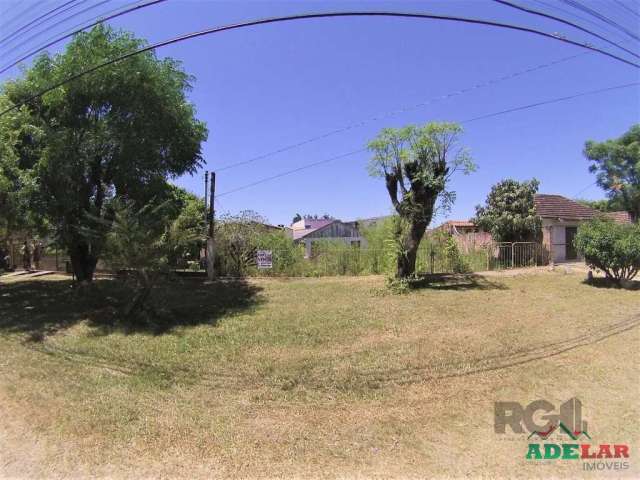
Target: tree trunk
[[82, 261], [410, 243]]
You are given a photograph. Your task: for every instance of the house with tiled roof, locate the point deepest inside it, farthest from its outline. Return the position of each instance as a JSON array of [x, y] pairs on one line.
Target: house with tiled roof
[[560, 220], [309, 231], [619, 217]]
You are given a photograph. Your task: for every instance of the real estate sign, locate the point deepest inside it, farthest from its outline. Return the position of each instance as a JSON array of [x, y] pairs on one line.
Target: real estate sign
[[264, 259]]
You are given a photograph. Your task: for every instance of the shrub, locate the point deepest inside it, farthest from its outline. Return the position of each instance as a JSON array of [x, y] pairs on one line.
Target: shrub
[[455, 259], [611, 248], [383, 246]]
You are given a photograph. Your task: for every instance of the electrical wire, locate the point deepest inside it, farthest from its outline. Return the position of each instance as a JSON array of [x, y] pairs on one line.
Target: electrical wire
[[574, 15], [469, 120], [49, 12], [110, 15], [307, 16], [566, 22], [19, 16], [289, 172], [585, 189], [630, 10], [23, 30], [596, 14], [59, 22], [400, 111]]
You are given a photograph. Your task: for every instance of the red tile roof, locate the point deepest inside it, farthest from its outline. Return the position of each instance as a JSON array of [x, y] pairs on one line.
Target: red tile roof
[[619, 217], [557, 206]]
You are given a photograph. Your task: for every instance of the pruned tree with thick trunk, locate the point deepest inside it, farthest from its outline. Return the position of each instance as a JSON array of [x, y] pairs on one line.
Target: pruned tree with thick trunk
[[417, 163]]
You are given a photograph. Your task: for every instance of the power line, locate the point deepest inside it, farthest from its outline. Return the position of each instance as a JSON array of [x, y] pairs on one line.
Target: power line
[[60, 22], [630, 10], [22, 30], [308, 16], [46, 14], [579, 17], [17, 17], [598, 15], [289, 172], [53, 41], [49, 28], [469, 120], [555, 100], [585, 188], [566, 22], [400, 111]]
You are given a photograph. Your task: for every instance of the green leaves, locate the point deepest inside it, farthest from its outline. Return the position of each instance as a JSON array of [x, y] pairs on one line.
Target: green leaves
[[417, 163], [419, 159], [610, 247], [509, 212], [120, 131], [617, 166]]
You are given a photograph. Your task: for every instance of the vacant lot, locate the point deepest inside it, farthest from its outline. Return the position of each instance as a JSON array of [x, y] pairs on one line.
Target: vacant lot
[[310, 377]]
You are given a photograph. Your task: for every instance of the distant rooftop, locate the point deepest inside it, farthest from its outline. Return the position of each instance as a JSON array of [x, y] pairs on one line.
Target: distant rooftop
[[619, 217], [305, 226], [459, 223]]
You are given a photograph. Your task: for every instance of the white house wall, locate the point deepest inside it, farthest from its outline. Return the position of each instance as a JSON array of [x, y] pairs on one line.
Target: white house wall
[[558, 237]]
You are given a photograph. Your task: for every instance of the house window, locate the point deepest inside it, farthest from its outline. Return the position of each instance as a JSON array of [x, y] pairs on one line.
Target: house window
[[355, 243]]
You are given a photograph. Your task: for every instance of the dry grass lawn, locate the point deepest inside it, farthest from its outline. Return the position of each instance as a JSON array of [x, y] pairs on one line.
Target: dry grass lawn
[[329, 377]]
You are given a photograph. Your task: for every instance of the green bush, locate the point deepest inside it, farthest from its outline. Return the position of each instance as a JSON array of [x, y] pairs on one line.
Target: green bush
[[457, 262], [611, 248]]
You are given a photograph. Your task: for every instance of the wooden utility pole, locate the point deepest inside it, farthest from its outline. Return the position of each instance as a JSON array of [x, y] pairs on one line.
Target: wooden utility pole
[[206, 197], [211, 233]]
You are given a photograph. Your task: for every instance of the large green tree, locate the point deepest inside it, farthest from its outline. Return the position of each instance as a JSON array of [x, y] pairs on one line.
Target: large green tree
[[509, 212], [417, 163], [119, 131], [16, 184], [616, 164]]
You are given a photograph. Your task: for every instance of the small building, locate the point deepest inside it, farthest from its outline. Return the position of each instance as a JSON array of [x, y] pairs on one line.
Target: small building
[[458, 227], [467, 234], [310, 230], [560, 220]]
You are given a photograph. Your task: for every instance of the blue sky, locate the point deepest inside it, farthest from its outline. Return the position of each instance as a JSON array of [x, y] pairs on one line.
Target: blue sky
[[263, 88]]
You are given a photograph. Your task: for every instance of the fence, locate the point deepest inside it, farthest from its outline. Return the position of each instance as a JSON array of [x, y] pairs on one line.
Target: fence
[[353, 261], [52, 258], [518, 255], [365, 261]]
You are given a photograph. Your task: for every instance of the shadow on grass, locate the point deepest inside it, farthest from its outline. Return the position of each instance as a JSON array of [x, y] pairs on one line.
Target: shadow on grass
[[600, 282], [41, 307], [455, 281]]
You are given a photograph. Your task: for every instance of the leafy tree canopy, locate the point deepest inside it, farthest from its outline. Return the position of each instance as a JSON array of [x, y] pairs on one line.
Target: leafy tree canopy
[[610, 247], [417, 163], [120, 131], [15, 184], [509, 212], [607, 205], [616, 164]]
